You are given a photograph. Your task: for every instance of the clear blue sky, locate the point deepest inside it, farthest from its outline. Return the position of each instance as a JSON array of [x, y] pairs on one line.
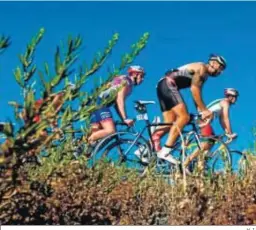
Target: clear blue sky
[[181, 32]]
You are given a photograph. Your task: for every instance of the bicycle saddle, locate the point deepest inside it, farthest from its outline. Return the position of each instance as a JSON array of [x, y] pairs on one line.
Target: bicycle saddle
[[145, 102]]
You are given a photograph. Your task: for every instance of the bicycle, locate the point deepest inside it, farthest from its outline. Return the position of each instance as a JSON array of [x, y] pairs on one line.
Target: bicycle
[[219, 159], [239, 163], [120, 147]]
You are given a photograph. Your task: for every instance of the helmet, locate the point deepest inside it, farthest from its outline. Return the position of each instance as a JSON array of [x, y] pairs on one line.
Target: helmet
[[231, 92], [136, 69], [220, 59]]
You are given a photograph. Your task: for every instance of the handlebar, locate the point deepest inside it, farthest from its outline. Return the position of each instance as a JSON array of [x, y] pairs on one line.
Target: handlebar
[[121, 123], [207, 121], [203, 123], [195, 117], [229, 138]]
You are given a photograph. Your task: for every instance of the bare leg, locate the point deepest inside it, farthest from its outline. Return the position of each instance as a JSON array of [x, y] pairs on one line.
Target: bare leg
[[169, 117], [205, 146], [182, 119], [108, 127]]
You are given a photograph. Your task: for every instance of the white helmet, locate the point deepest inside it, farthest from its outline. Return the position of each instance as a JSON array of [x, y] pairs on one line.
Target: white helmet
[[136, 69], [231, 92]]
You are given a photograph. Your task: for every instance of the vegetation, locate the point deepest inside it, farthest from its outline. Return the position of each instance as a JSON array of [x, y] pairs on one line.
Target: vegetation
[[62, 190]]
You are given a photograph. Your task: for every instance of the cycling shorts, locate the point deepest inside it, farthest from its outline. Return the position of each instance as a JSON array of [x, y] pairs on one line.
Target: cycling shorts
[[168, 95], [207, 131], [102, 114]]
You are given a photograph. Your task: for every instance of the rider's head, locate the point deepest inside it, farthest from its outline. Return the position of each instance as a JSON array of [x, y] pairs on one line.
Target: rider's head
[[216, 64], [136, 73], [231, 94]]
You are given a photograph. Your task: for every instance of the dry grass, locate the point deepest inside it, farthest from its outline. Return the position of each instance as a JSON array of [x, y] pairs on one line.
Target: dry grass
[[108, 195]]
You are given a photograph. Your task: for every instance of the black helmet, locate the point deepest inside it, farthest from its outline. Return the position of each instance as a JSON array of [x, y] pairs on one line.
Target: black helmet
[[219, 59]]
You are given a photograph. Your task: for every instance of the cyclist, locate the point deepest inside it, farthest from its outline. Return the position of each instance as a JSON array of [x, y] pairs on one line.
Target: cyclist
[[102, 123], [173, 108], [220, 109]]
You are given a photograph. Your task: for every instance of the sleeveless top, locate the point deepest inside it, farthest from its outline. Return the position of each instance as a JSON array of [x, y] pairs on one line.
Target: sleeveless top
[[116, 83], [183, 76], [215, 107]]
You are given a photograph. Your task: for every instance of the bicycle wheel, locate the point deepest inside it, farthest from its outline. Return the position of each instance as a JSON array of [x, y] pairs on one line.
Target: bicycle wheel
[[120, 149], [190, 149], [217, 159], [239, 162], [163, 167]]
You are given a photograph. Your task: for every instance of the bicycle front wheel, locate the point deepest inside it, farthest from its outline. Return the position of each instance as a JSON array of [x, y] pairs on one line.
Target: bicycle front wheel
[[217, 158], [240, 163]]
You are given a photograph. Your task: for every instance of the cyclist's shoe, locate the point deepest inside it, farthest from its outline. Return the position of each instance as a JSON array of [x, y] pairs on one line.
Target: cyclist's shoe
[[168, 157], [139, 153]]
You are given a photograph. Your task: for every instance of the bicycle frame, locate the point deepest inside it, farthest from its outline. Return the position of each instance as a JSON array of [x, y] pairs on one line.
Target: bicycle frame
[[148, 125], [191, 135], [140, 134]]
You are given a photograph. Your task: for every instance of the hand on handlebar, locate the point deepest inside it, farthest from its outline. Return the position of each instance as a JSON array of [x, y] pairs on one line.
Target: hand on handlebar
[[205, 118], [232, 136], [206, 114], [129, 122]]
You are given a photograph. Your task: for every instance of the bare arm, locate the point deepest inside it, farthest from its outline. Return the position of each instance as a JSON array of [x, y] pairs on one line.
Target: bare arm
[[224, 117], [196, 90], [120, 102]]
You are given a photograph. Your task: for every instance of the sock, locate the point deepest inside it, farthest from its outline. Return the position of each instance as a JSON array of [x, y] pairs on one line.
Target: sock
[[156, 142]]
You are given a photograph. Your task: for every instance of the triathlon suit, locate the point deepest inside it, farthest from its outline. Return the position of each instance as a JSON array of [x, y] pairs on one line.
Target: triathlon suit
[[216, 108], [104, 113], [168, 87]]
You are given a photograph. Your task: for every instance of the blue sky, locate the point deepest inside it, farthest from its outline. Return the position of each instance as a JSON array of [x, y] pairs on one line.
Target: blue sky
[[180, 32]]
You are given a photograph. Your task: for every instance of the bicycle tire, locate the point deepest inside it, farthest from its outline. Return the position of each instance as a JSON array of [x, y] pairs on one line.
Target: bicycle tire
[[114, 141], [212, 162], [243, 164], [163, 167], [130, 161], [215, 158]]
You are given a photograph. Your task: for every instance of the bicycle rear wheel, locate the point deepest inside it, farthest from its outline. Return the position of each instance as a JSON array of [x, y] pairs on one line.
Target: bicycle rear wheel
[[239, 162], [120, 148]]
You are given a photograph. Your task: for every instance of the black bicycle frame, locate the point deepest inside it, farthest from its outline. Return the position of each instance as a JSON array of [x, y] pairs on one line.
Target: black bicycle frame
[[149, 125]]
